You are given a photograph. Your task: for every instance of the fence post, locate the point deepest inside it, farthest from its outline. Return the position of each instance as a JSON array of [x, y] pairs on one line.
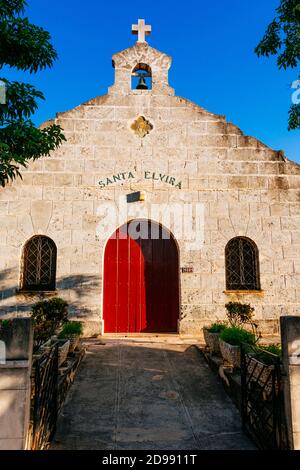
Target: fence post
[[15, 370], [290, 338]]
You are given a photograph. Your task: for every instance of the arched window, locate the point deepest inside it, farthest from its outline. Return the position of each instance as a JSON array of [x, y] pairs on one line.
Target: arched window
[[141, 77], [39, 264], [242, 265]]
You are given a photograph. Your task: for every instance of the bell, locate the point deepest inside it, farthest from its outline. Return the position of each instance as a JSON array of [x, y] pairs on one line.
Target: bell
[[142, 85]]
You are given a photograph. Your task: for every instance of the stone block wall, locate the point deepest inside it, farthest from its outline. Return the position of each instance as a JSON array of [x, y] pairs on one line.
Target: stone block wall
[[246, 188]]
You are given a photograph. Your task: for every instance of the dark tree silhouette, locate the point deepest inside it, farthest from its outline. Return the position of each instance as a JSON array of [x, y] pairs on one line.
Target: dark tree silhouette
[[282, 38], [25, 47]]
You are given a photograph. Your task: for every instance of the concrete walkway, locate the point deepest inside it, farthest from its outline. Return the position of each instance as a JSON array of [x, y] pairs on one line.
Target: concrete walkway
[[143, 395]]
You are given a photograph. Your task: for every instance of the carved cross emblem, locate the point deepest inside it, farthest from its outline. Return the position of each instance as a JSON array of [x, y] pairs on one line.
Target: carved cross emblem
[[141, 126]]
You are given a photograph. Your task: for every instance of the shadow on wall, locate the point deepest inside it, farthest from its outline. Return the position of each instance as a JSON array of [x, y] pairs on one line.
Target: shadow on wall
[[7, 278], [71, 288]]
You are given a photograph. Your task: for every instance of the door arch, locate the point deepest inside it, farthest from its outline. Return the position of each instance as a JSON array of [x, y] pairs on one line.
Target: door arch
[[141, 279]]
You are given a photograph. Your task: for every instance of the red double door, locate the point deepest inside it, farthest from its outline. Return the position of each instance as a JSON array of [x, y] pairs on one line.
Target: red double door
[[141, 280]]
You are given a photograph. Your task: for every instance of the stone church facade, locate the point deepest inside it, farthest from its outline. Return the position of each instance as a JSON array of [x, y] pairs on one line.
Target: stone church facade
[[144, 148]]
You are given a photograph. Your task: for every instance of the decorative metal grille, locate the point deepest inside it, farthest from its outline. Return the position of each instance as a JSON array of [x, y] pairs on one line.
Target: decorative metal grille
[[44, 399], [263, 410], [39, 264], [242, 268]]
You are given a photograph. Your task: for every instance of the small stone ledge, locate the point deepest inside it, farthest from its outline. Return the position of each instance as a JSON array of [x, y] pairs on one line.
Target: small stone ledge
[[261, 293], [15, 365], [36, 292]]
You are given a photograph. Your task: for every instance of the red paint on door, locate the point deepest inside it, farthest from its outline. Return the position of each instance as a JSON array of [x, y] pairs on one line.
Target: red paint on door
[[141, 280]]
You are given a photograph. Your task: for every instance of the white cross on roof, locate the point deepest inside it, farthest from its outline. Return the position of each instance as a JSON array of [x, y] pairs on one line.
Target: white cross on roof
[[141, 29]]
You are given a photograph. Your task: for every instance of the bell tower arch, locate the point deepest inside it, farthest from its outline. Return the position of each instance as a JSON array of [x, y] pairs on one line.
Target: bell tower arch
[[144, 62]]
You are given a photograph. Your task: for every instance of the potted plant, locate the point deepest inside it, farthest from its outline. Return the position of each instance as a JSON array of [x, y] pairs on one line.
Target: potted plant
[[261, 367], [48, 316], [72, 330], [211, 335], [231, 340], [63, 346], [274, 349], [240, 314]]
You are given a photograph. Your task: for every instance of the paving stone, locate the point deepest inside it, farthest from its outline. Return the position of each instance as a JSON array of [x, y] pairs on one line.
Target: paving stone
[[151, 395]]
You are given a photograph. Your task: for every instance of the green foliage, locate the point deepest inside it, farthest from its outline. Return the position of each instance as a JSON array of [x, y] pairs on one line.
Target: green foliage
[[26, 47], [217, 327], [282, 38], [23, 45], [236, 336], [71, 328], [5, 324], [9, 7], [294, 117], [273, 348], [48, 316], [239, 314]]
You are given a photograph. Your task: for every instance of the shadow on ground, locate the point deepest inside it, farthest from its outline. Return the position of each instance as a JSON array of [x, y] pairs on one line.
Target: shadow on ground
[[160, 396]]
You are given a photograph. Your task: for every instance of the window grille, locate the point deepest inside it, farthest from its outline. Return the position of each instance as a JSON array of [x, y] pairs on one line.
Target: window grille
[[39, 264], [242, 266]]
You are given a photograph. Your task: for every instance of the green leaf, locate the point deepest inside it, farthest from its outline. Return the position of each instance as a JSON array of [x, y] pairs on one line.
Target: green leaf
[[20, 142], [271, 41], [282, 38], [26, 47], [294, 117], [20, 101], [11, 7]]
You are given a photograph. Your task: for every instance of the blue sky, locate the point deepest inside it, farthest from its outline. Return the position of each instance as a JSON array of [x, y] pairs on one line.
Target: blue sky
[[211, 43]]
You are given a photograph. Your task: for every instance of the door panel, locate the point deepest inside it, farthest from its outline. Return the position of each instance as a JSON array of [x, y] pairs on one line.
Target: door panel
[[141, 282]]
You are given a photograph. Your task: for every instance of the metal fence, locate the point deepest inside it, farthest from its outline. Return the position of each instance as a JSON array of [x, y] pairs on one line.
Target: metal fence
[[44, 399], [262, 398]]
